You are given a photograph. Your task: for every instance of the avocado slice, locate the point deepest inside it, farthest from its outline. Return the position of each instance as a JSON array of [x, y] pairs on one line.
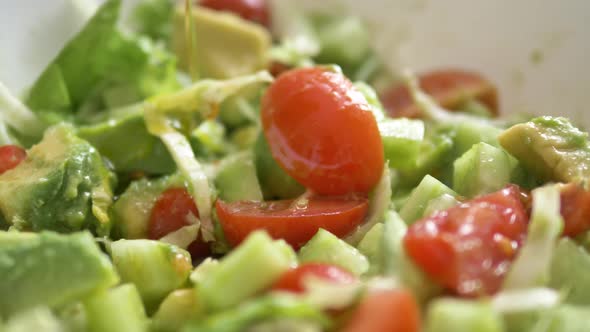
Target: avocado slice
[[62, 185], [551, 148], [228, 46], [50, 269], [131, 212], [141, 151]]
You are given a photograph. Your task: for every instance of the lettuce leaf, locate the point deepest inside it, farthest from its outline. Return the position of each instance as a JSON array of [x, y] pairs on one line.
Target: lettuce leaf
[[99, 62]]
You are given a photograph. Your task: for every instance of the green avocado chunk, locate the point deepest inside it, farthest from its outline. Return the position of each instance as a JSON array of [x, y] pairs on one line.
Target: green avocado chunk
[[131, 212], [550, 147], [62, 185], [228, 46], [50, 269]]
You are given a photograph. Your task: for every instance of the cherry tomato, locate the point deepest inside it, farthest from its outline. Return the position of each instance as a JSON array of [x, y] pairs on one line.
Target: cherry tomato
[[450, 88], [575, 209], [170, 213], [321, 131], [295, 224], [251, 10], [10, 157], [385, 311], [293, 280], [468, 248]]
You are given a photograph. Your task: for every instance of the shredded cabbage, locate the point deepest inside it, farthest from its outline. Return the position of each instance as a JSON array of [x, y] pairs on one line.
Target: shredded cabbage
[[14, 114], [531, 267], [378, 206], [202, 98], [512, 301]]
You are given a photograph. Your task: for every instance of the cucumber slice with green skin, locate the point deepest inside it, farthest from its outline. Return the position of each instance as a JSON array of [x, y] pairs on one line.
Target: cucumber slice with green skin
[[274, 181], [250, 268], [482, 170], [178, 308], [402, 139], [155, 267], [468, 134], [50, 269], [446, 314], [236, 179], [441, 203], [325, 247], [428, 189], [116, 310], [370, 246]]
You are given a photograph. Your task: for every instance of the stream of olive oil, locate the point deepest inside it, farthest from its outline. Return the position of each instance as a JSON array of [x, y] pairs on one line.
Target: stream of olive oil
[[190, 35]]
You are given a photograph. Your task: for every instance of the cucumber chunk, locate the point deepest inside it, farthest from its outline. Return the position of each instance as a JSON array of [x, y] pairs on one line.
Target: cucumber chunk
[[428, 189], [325, 247], [482, 170], [116, 310], [247, 270], [155, 267]]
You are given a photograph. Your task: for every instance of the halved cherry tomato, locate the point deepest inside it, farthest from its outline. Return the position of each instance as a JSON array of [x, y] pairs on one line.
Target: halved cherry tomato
[[10, 157], [449, 87], [293, 279], [385, 311], [321, 131], [170, 213], [575, 209], [251, 10], [286, 220], [468, 248]]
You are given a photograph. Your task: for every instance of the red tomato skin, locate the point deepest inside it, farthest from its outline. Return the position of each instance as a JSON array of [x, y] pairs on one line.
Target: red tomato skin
[[293, 279], [170, 213], [11, 156], [468, 248], [449, 87], [385, 311], [281, 220], [252, 10], [575, 209], [322, 133]]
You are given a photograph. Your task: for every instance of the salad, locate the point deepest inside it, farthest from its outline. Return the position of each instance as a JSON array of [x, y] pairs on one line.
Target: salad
[[233, 165]]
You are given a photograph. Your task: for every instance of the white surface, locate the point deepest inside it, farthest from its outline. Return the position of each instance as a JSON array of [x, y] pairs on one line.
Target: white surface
[[496, 37]]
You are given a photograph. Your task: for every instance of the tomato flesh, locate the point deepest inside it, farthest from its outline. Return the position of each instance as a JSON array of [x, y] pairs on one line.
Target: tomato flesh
[[468, 248], [252, 10], [575, 209], [171, 212], [10, 157], [322, 133], [386, 311], [289, 221], [294, 279], [450, 88]]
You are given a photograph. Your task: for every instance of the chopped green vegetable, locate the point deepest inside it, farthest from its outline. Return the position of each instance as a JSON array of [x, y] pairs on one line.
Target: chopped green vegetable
[[48, 269], [429, 189], [155, 267], [238, 275], [325, 247], [118, 310], [569, 267], [446, 314], [62, 185]]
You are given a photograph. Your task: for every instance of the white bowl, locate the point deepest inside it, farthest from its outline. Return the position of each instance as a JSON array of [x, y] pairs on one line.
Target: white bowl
[[537, 51]]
